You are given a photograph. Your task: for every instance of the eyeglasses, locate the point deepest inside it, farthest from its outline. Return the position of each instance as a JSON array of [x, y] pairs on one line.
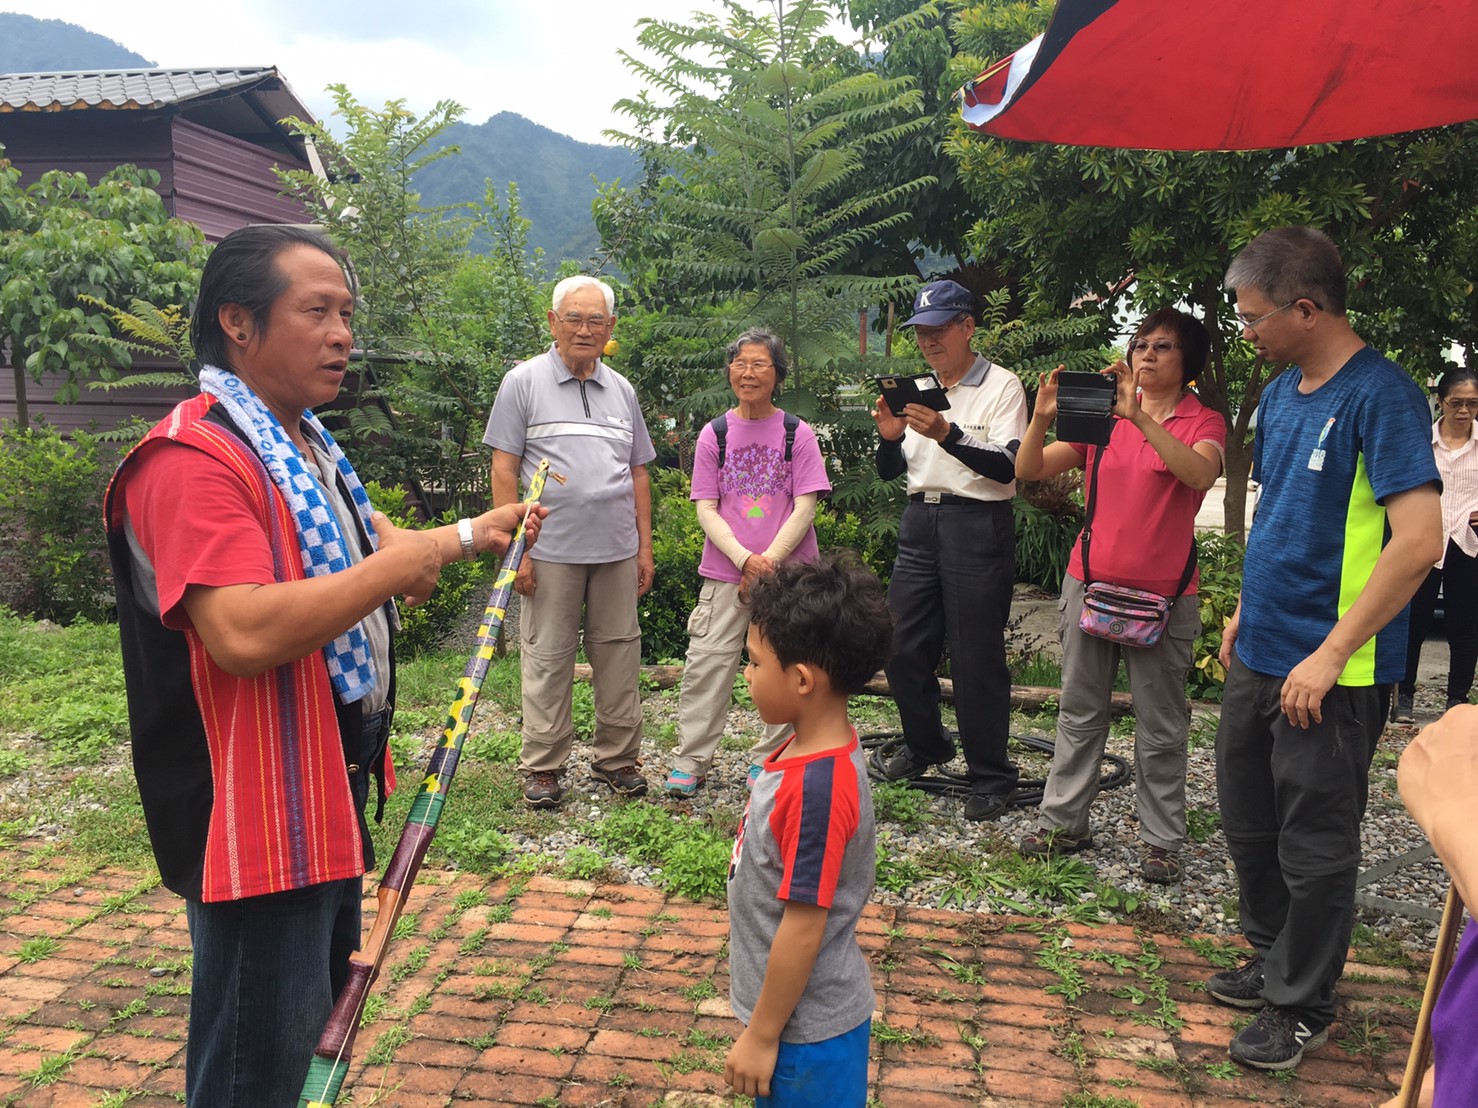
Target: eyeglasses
[[1468, 405], [923, 331], [1159, 346], [1251, 323], [576, 322], [758, 367]]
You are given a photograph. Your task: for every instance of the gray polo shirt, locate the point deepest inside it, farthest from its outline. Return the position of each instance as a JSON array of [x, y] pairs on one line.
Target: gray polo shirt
[[593, 433]]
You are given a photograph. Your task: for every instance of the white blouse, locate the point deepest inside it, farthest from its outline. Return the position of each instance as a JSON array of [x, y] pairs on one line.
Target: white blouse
[[1459, 470]]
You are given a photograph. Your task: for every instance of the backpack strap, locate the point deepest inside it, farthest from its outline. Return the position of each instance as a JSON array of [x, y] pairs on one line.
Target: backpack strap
[[720, 427]]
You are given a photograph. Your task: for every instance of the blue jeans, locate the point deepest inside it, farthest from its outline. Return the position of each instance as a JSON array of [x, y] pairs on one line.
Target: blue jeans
[[828, 1074], [266, 971]]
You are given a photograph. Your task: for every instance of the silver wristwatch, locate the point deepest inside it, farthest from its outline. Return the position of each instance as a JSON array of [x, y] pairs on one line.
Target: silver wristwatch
[[464, 532]]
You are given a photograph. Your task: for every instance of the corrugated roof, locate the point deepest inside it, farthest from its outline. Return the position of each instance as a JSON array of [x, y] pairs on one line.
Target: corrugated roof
[[136, 89]]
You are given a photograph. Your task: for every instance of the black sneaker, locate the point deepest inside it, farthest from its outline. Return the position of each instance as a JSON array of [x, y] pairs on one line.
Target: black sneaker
[[902, 766], [1277, 1039], [1241, 987], [1401, 710], [980, 806]]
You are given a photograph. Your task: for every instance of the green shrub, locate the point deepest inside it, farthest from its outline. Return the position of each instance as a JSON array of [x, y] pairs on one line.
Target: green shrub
[[1220, 560], [677, 548], [53, 551], [878, 546], [1048, 516], [463, 586]]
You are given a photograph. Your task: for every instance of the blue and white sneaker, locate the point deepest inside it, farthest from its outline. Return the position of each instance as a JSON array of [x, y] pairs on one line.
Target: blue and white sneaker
[[682, 783]]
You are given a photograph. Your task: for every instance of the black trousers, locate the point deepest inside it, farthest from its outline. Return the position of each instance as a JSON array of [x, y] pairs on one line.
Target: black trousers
[[952, 583], [1458, 580], [1291, 805]]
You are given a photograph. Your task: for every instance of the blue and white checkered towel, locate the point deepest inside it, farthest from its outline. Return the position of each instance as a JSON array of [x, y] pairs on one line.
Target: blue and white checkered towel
[[323, 546]]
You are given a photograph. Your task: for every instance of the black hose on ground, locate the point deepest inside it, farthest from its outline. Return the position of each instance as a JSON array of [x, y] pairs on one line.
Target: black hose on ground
[[880, 745]]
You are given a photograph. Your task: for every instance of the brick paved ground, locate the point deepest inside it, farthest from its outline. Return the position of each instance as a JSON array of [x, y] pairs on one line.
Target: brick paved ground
[[552, 992]]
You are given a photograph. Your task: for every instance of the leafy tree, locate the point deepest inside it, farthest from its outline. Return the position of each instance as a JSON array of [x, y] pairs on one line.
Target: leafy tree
[[920, 47], [66, 249], [1100, 231], [760, 130], [437, 325]]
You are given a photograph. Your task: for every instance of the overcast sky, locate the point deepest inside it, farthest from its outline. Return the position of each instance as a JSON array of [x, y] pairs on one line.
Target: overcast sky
[[553, 62]]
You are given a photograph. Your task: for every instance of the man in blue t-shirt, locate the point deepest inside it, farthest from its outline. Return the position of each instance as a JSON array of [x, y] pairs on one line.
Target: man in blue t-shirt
[[1348, 523]]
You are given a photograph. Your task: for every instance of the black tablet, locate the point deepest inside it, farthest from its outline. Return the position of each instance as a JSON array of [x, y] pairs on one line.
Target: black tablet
[[1085, 404], [925, 389]]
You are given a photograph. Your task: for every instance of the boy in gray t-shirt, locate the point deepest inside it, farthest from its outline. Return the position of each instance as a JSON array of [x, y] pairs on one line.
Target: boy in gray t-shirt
[[804, 858]]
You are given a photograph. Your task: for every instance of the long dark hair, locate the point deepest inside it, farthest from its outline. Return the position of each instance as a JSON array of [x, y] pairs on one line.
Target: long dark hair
[[242, 269]]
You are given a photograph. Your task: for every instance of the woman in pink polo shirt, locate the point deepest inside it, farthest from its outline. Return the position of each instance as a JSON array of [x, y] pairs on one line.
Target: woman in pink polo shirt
[[1166, 449]]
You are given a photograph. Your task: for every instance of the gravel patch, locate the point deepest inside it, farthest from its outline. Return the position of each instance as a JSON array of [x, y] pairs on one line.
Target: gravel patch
[[1204, 901]]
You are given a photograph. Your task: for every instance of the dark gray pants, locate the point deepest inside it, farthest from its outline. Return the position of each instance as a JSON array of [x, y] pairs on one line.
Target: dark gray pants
[[1291, 805], [952, 582]]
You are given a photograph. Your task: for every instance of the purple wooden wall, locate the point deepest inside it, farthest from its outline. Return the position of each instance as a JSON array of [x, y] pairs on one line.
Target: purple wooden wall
[[95, 410], [222, 183], [90, 142]]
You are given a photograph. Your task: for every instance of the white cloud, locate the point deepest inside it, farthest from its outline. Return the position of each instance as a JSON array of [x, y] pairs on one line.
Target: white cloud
[[557, 65]]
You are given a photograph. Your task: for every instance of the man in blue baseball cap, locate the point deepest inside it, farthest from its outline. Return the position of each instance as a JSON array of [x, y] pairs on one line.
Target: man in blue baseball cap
[[956, 551]]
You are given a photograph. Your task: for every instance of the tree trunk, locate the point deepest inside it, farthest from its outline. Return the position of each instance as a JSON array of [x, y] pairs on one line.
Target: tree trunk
[[1239, 466], [22, 408]]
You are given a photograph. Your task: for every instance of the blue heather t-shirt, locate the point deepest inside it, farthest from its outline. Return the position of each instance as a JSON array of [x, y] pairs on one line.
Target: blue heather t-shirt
[[1327, 460]]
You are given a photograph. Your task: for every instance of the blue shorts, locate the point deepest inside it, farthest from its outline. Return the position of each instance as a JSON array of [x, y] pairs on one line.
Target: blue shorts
[[828, 1074]]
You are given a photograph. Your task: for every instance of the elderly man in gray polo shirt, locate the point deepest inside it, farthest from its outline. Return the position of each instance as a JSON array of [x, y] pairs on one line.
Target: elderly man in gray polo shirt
[[595, 548]]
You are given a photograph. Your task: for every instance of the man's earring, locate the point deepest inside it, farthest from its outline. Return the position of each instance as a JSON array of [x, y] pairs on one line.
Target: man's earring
[[241, 336]]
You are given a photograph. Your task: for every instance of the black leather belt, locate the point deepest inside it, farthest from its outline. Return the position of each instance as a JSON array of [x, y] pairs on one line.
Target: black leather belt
[[950, 498]]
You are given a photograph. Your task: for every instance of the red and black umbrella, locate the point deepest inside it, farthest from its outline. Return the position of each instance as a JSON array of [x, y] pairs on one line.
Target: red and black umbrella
[[1255, 74]]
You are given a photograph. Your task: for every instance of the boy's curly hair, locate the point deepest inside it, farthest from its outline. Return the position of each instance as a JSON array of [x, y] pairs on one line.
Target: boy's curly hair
[[830, 613]]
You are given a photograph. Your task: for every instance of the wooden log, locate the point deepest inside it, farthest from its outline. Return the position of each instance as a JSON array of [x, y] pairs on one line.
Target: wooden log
[[1026, 698]]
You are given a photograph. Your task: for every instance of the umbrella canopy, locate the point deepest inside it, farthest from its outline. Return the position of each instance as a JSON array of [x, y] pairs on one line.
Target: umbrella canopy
[[1249, 75]]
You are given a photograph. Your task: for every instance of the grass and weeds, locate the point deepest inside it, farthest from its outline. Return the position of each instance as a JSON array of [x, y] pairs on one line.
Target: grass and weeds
[[61, 689]]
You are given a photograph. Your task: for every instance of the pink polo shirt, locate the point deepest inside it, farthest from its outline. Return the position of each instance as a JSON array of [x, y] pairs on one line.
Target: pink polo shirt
[[1145, 516]]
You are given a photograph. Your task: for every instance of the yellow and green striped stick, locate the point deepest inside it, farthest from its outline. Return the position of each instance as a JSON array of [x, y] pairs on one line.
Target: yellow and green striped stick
[[330, 1063]]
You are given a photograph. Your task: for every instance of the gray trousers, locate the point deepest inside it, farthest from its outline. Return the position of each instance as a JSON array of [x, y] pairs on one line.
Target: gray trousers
[[1161, 721], [1291, 805], [549, 633], [716, 631]]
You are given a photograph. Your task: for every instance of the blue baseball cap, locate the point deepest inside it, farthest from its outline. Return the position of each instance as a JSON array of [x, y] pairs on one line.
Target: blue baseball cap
[[940, 302]]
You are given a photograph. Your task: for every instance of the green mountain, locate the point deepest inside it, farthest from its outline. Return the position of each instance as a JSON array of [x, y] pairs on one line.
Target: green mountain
[[555, 174], [31, 45], [556, 178]]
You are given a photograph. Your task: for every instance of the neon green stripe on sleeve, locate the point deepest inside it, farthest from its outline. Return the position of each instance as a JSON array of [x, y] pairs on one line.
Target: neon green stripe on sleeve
[[1365, 533]]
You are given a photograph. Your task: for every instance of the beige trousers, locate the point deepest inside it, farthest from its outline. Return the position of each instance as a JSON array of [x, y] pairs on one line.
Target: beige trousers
[[549, 633], [716, 632]]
